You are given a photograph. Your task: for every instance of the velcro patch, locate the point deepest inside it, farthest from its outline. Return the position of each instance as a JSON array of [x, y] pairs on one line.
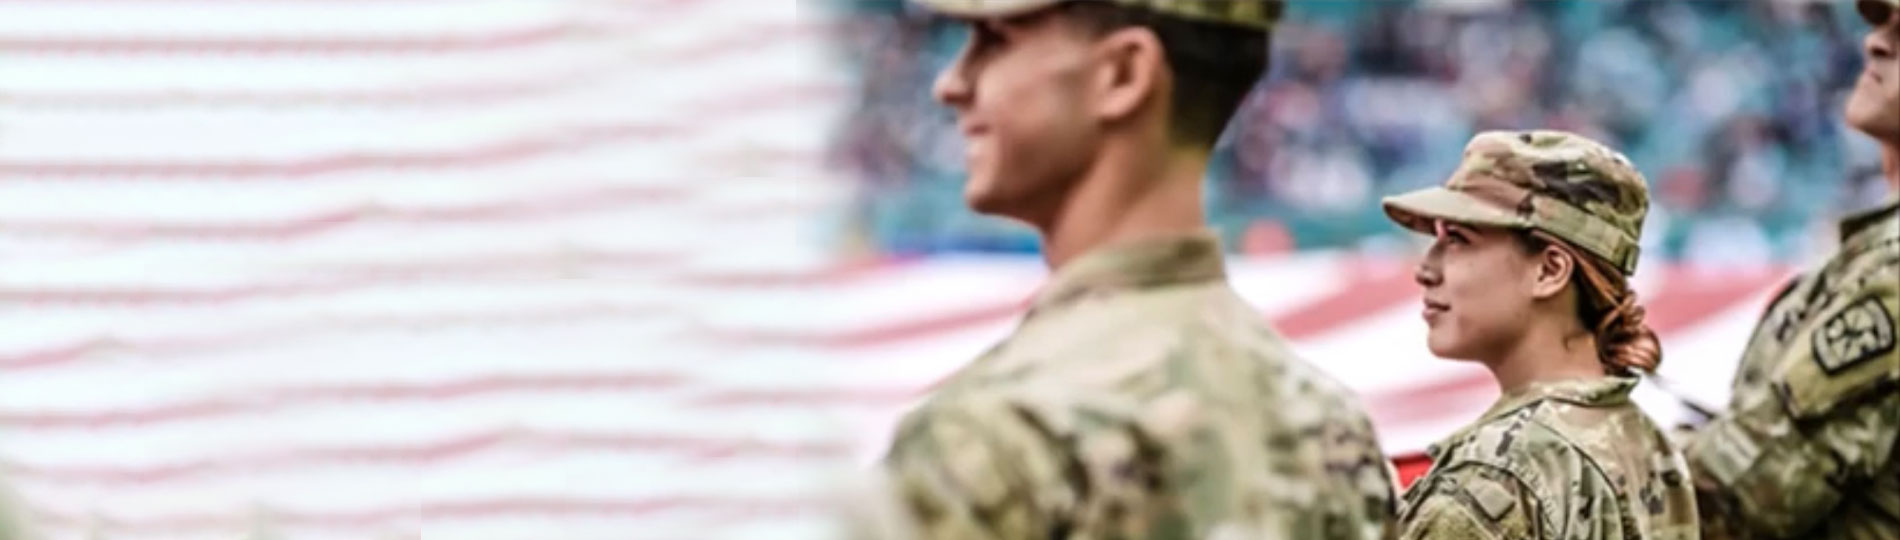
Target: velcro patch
[[1858, 332], [1725, 452], [1492, 499]]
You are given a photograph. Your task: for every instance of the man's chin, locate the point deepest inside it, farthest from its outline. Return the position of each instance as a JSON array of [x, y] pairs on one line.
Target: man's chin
[[981, 195], [1872, 119], [997, 205], [1013, 200], [1877, 126]]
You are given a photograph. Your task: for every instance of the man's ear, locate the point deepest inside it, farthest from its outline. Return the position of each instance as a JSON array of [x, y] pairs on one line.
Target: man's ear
[[1132, 71], [1554, 268]]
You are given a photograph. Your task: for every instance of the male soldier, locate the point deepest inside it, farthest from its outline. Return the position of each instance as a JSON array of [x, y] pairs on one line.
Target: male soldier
[[1140, 397], [1807, 447]]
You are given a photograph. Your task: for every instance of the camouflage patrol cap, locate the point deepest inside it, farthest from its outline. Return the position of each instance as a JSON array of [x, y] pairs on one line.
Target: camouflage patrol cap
[[1876, 12], [1560, 183], [1251, 13]]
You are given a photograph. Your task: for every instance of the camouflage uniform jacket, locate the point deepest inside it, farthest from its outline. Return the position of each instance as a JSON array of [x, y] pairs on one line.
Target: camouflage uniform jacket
[[1141, 398], [1806, 448], [1571, 460]]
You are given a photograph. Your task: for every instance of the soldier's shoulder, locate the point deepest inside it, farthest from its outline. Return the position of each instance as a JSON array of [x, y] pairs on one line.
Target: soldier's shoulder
[[1594, 426], [1051, 413], [1873, 236], [1526, 444], [1093, 456], [970, 460], [1504, 433], [1867, 262], [999, 434], [1538, 464], [1296, 375], [1470, 500], [1852, 349], [1149, 326]]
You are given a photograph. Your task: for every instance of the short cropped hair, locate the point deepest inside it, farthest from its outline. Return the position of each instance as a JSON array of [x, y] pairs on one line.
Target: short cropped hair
[[1215, 66]]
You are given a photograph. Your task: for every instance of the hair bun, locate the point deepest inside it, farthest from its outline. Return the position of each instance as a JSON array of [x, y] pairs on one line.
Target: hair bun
[[1607, 305], [1625, 341]]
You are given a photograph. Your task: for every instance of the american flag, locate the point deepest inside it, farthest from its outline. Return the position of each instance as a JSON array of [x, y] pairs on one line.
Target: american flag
[[517, 269]]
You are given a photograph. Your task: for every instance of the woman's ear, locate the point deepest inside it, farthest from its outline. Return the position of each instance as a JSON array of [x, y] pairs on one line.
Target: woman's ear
[[1132, 72], [1554, 268]]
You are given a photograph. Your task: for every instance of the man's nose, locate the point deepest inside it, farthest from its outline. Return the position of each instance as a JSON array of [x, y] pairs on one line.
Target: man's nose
[[952, 85]]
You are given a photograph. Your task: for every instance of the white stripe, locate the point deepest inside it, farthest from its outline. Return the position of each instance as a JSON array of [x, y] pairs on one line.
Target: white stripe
[[274, 19]]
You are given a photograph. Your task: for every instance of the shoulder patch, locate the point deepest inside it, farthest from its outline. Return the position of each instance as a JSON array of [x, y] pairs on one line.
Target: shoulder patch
[[1861, 331], [1491, 499]]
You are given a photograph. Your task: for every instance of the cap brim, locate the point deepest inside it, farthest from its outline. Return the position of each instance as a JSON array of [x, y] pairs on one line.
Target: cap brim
[[978, 9], [1417, 210]]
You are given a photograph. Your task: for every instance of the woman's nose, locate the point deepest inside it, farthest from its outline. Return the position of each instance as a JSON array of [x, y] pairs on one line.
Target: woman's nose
[[1426, 274]]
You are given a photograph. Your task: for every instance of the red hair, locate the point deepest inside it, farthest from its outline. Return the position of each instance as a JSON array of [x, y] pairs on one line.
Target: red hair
[[1606, 305]]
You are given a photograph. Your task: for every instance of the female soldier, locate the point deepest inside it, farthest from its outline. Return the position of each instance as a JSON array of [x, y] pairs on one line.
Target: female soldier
[[1536, 234]]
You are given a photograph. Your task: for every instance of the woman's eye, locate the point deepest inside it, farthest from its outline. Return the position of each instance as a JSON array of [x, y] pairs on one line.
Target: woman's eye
[[986, 37], [1450, 236]]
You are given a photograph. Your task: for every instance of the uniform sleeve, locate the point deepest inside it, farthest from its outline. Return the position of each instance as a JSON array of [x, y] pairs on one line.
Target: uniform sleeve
[[982, 468], [1352, 453], [1470, 502], [1763, 471], [1781, 461]]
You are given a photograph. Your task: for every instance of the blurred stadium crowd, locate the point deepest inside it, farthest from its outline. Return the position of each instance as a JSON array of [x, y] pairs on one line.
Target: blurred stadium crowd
[[1731, 108]]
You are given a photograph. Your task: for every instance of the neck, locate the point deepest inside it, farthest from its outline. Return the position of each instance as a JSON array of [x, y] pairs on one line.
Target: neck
[[1545, 353], [1127, 196], [1890, 165]]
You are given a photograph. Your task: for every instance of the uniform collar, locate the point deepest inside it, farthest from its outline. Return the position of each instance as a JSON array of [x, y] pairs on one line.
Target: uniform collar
[[1135, 265], [1593, 392], [1855, 223]]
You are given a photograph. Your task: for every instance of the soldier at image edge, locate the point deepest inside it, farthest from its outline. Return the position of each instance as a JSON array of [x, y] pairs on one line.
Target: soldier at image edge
[[1807, 445]]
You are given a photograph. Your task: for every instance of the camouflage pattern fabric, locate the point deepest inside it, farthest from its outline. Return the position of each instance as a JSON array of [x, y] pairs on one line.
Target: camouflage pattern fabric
[[1561, 183], [1141, 398], [1250, 13], [1807, 446], [1573, 460]]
